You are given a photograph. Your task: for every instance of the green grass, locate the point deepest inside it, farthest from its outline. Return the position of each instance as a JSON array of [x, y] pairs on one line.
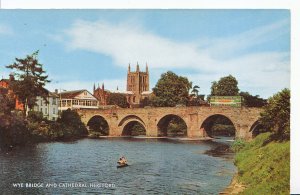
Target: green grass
[[264, 169]]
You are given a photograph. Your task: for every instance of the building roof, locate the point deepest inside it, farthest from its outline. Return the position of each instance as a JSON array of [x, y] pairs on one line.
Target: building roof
[[71, 94]]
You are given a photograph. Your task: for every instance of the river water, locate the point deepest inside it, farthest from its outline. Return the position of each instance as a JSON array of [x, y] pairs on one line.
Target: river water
[[157, 166]]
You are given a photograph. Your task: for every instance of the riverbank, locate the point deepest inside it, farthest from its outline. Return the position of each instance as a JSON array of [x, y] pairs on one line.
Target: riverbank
[[263, 167], [235, 187]]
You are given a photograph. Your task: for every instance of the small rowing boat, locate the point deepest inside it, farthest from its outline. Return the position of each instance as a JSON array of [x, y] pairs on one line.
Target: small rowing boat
[[122, 165]]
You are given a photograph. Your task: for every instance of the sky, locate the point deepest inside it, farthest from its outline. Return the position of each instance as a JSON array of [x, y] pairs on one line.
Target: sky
[[81, 47]]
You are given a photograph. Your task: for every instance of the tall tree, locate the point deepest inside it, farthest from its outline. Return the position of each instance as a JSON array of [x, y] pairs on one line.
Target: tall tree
[[226, 86], [276, 114], [118, 99], [195, 90], [252, 101], [171, 90], [31, 79]]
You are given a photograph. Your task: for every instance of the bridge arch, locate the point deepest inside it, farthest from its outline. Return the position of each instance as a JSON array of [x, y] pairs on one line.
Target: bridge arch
[[132, 125], [171, 125], [256, 129], [210, 120], [98, 123]]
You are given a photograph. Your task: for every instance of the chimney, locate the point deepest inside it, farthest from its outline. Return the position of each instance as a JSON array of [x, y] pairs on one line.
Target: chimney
[[11, 77], [56, 91]]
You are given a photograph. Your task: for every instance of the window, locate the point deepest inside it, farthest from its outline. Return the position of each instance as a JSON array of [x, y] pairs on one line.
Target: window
[[54, 101], [41, 102], [53, 110], [46, 111], [133, 99], [41, 110]]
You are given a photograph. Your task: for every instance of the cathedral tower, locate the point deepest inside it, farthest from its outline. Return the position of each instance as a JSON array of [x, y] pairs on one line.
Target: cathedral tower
[[137, 83]]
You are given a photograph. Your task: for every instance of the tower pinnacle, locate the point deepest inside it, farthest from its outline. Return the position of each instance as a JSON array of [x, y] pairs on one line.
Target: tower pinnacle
[[137, 67]]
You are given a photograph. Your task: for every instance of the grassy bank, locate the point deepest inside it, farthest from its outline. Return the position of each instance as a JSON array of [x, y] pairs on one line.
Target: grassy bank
[[264, 168]]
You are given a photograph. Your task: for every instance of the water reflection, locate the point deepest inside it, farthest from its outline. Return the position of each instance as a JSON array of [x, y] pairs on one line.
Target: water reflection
[[156, 166]]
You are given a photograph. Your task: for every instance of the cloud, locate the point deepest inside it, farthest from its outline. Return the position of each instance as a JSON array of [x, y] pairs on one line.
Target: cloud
[[209, 58], [75, 85]]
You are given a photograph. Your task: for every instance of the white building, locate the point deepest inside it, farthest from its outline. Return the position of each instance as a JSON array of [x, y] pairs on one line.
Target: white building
[[77, 99], [50, 109]]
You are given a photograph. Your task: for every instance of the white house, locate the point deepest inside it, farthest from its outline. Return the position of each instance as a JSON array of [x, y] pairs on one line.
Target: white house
[[77, 99], [50, 109]]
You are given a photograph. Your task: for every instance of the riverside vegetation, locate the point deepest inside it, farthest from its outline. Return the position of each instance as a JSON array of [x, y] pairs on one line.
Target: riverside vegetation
[[17, 130], [264, 163]]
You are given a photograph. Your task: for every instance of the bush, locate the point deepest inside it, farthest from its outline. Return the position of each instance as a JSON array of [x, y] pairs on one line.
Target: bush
[[238, 145], [35, 116], [71, 123], [13, 130], [276, 114]]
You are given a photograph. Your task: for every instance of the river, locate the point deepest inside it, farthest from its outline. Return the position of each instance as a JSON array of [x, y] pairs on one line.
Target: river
[[157, 166]]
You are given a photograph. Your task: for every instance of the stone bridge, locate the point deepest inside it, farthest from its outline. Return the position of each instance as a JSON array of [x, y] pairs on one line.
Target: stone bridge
[[197, 119]]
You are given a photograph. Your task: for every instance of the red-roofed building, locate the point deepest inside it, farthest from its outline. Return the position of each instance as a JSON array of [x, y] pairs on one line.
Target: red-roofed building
[[4, 84]]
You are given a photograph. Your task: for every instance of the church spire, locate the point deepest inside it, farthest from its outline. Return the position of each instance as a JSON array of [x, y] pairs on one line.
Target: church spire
[[146, 67], [94, 88], [103, 86], [137, 67], [129, 67]]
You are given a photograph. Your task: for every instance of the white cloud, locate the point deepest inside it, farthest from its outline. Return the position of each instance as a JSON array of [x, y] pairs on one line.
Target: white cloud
[[75, 85], [127, 42]]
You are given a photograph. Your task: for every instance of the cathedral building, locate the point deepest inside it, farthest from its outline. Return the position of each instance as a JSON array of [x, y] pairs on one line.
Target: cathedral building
[[137, 88], [101, 94], [137, 85]]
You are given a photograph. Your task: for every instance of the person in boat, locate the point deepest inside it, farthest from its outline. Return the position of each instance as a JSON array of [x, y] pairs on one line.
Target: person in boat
[[122, 160]]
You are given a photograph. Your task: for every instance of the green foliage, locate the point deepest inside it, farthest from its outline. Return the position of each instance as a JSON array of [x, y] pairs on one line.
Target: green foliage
[[13, 130], [264, 169], [35, 116], [72, 124], [252, 101], [118, 99], [98, 124], [171, 90], [69, 126], [31, 80], [226, 86], [237, 145], [7, 102], [276, 114], [137, 129], [177, 127], [195, 90], [223, 129]]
